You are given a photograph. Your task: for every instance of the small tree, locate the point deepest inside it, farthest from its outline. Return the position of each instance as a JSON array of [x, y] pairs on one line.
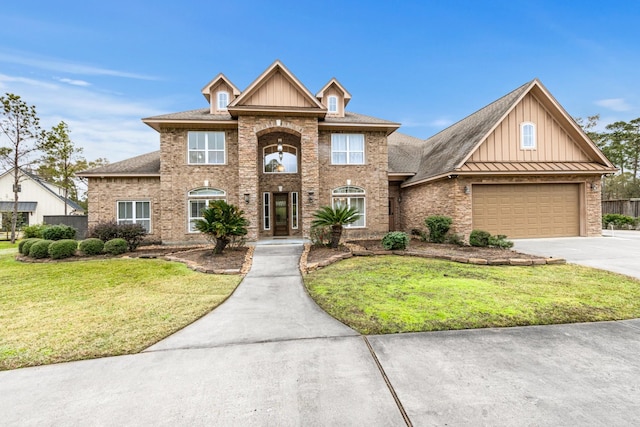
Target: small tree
[[336, 218], [221, 222]]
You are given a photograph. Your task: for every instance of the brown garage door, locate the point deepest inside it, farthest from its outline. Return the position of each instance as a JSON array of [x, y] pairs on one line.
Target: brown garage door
[[527, 210]]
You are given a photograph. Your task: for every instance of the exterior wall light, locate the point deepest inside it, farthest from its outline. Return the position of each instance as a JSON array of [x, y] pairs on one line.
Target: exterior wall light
[[467, 189], [594, 186], [246, 198], [311, 198]]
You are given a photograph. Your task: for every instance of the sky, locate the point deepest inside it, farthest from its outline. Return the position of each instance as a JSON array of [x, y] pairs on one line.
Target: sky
[[102, 66]]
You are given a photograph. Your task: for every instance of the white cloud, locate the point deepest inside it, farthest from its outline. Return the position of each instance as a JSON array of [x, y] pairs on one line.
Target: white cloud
[[53, 64], [74, 82], [615, 104]]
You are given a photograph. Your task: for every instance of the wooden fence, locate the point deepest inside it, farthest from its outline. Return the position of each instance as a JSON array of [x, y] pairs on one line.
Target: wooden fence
[[630, 207]]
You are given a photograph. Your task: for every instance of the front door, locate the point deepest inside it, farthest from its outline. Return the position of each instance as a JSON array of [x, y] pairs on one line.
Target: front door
[[281, 214]]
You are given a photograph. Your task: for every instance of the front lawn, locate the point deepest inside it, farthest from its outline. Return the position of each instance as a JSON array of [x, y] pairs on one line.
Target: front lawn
[[4, 244], [389, 294], [57, 312]]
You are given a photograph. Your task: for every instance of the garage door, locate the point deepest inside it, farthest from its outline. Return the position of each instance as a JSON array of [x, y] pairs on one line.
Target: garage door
[[527, 210]]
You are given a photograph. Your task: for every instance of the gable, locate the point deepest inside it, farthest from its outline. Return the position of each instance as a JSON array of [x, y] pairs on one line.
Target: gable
[[553, 142], [278, 91]]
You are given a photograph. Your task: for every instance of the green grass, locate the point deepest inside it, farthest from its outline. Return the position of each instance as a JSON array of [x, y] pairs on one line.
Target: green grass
[[379, 295], [57, 312], [7, 245]]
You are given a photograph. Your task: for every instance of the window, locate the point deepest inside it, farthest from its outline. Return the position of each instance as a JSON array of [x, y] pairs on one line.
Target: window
[[135, 212], [198, 200], [206, 148], [527, 136], [223, 100], [352, 197], [267, 212], [333, 104], [280, 158], [347, 149], [294, 211]]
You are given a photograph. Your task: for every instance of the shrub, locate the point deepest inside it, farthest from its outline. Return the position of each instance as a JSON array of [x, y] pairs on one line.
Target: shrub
[[395, 240], [320, 235], [33, 231], [115, 246], [40, 249], [618, 220], [91, 246], [455, 239], [58, 232], [64, 248], [438, 227], [419, 233], [133, 234], [500, 241], [479, 238], [25, 245]]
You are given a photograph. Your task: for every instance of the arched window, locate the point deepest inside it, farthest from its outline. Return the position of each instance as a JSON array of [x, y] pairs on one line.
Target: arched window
[[353, 197], [280, 158], [223, 100], [332, 104], [198, 200], [527, 136]]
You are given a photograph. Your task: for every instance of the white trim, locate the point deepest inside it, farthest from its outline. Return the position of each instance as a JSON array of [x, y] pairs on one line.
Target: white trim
[[206, 149], [350, 192], [214, 194], [294, 214], [533, 145], [134, 219], [266, 211], [348, 148], [218, 95], [329, 99]]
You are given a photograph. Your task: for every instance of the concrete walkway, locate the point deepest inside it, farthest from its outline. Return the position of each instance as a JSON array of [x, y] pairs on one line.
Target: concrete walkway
[[270, 356]]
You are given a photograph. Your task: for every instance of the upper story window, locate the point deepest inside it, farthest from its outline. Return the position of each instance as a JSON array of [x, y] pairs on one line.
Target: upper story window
[[352, 197], [280, 158], [223, 100], [206, 148], [333, 104], [527, 136], [347, 149], [198, 200]]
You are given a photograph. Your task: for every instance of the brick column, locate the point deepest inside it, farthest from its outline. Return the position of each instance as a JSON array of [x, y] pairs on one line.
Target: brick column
[[310, 173], [248, 173]]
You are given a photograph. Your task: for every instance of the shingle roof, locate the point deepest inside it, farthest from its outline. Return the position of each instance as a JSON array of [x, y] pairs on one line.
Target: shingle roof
[[350, 117], [146, 164], [405, 153], [199, 114], [447, 149]]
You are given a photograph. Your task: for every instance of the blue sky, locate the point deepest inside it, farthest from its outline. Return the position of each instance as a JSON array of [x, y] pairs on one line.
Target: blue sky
[[102, 66]]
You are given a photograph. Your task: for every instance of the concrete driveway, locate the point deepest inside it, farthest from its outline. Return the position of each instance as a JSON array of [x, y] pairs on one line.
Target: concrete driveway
[[617, 251], [269, 356]]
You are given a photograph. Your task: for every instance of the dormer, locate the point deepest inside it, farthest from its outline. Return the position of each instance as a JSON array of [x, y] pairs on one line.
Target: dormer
[[334, 97], [220, 92]]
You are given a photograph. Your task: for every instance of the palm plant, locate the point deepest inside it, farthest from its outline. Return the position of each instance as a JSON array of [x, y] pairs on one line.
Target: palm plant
[[221, 222], [336, 218]]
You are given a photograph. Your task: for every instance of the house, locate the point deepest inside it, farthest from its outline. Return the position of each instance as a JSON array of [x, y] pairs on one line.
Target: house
[[520, 166], [36, 198]]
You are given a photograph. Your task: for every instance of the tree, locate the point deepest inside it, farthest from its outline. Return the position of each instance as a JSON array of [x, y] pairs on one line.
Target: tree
[[221, 222], [20, 128], [336, 218]]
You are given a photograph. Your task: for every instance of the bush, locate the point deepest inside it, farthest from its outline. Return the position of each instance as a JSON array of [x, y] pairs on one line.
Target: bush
[[395, 240], [40, 249], [479, 238], [133, 234], [500, 241], [58, 232], [115, 246], [618, 220], [455, 239], [419, 233], [320, 235], [438, 227], [91, 246], [25, 245], [64, 248], [33, 231]]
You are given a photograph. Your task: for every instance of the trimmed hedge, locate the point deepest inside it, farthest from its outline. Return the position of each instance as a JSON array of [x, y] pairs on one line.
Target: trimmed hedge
[[115, 246], [64, 248], [91, 246], [395, 240], [40, 249], [33, 231], [58, 232], [25, 245], [479, 238]]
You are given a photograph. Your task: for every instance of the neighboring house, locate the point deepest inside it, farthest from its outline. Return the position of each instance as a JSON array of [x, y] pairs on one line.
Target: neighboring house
[[36, 198], [520, 166]]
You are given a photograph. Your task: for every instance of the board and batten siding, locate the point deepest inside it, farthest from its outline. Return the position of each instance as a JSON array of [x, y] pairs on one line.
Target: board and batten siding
[[553, 143], [278, 91]]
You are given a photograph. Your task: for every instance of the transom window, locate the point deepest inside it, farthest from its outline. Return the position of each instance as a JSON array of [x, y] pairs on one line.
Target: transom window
[[135, 212], [353, 197], [280, 158], [198, 201], [333, 104], [527, 136], [223, 100], [347, 149], [206, 148]]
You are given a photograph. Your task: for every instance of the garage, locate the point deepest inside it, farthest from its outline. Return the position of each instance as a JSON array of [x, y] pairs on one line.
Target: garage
[[527, 210]]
